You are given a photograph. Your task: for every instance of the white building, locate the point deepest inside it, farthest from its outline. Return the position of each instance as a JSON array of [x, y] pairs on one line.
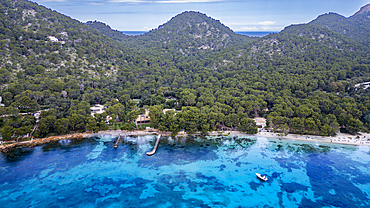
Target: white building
[[364, 85], [1, 99], [53, 39], [99, 109], [38, 113], [143, 118], [260, 122]]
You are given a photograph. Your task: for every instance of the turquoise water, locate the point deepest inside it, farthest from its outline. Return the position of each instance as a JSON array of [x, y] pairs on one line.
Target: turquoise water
[[187, 172]]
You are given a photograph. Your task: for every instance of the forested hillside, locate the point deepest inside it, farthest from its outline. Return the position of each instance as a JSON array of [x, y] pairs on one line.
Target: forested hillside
[[48, 60], [301, 79], [355, 27], [187, 32]]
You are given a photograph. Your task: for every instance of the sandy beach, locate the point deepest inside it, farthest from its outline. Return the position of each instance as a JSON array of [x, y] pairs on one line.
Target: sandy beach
[[340, 138]]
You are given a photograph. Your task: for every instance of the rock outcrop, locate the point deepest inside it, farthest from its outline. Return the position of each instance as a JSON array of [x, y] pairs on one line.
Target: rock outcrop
[[37, 142]]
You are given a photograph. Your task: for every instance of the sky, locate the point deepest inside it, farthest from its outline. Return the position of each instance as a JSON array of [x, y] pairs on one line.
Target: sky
[[238, 15]]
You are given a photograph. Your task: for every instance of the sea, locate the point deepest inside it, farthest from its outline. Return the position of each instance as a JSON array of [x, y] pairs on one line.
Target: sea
[[214, 171], [251, 34], [132, 33], [255, 34]]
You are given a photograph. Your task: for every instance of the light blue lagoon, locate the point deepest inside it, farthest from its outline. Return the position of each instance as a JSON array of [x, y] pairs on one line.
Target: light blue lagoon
[[185, 172]]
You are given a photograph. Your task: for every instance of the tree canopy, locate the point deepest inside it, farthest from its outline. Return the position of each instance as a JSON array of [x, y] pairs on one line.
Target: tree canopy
[[302, 79]]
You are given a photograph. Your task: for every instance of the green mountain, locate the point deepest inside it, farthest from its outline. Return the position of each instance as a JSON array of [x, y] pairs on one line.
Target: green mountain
[[38, 41], [304, 75], [355, 27], [326, 39], [187, 32]]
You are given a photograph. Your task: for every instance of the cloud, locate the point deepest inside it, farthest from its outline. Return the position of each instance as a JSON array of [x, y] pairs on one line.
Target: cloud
[[266, 23], [252, 23], [127, 1], [96, 4], [256, 26], [52, 0], [164, 1], [186, 1], [147, 28], [102, 2], [260, 28]]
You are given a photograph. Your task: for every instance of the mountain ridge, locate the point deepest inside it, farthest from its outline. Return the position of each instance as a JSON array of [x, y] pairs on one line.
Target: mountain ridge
[[354, 27], [363, 9], [188, 31]]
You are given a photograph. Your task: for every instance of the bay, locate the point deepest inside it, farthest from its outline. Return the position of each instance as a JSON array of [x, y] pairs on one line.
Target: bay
[[186, 172]]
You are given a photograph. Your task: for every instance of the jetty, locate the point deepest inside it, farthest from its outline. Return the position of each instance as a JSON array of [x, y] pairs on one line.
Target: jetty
[[155, 146], [117, 142]]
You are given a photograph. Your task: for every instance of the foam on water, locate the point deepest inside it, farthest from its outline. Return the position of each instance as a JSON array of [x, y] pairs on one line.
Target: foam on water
[[186, 172]]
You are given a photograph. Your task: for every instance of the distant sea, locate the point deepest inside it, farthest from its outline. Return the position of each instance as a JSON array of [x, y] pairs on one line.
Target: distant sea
[[255, 34], [252, 34], [131, 33]]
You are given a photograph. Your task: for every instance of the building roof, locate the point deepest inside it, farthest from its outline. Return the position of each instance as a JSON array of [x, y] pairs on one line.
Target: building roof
[[259, 120], [97, 107], [165, 110], [53, 39], [143, 118]]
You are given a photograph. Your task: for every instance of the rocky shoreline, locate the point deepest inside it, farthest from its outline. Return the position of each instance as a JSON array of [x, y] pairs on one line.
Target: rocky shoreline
[[36, 142], [339, 139]]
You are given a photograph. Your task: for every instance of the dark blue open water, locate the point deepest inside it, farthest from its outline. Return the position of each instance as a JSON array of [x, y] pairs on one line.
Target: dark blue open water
[[131, 33], [248, 33], [192, 172], [254, 34]]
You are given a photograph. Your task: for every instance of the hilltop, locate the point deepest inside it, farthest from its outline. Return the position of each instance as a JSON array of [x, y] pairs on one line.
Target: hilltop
[[355, 27], [36, 41], [364, 9], [187, 32]]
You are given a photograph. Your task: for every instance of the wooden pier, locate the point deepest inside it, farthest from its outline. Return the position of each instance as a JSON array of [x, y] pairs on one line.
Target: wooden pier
[[116, 145], [155, 146]]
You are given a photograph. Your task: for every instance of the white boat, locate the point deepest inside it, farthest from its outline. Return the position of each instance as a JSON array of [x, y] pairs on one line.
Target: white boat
[[262, 177]]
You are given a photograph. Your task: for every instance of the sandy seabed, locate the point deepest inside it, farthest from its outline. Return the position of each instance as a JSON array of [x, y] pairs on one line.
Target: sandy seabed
[[340, 138]]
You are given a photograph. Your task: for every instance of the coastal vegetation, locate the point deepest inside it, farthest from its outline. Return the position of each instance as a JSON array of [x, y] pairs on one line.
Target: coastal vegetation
[[301, 79]]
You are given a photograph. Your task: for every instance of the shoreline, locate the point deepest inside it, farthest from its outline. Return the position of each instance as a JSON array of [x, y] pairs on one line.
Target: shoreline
[[340, 138], [40, 141]]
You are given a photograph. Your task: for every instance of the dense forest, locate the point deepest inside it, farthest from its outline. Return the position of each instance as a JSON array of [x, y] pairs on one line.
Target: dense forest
[[302, 79]]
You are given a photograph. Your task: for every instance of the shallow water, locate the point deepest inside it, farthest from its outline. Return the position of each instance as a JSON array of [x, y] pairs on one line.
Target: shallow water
[[186, 172]]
